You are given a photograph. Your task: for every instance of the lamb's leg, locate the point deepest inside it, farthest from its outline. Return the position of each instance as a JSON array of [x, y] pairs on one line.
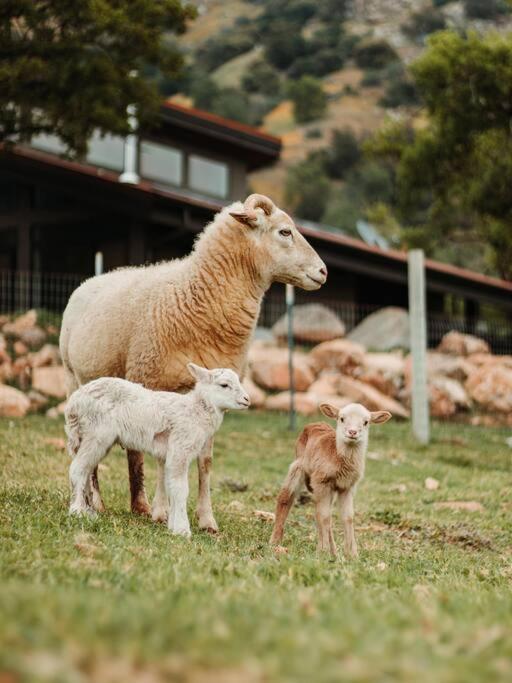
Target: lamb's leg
[[176, 477], [139, 501], [289, 490], [205, 516], [97, 501], [347, 515], [160, 507], [323, 522], [87, 458]]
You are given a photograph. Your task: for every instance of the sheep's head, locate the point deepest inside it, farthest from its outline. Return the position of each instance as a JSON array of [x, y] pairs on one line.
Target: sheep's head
[[286, 256], [221, 387], [353, 421]]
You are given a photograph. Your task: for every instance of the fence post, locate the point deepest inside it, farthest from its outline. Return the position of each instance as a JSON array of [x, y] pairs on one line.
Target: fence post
[[290, 300], [418, 333], [98, 263]]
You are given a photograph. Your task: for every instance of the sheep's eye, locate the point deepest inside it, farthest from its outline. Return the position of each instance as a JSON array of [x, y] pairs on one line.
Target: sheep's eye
[[285, 232], [224, 386]]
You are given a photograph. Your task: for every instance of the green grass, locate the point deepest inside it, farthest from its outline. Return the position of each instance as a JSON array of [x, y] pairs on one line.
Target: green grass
[[117, 598]]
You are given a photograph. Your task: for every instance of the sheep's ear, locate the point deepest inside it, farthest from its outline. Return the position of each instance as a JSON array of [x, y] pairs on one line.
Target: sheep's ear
[[249, 218], [198, 372], [329, 410], [380, 416]]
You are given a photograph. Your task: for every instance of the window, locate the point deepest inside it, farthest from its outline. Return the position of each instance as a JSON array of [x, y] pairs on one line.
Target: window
[[161, 163], [106, 151], [205, 175], [48, 143]]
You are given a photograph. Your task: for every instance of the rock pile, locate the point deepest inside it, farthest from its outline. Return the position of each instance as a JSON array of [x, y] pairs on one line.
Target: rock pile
[[31, 371]]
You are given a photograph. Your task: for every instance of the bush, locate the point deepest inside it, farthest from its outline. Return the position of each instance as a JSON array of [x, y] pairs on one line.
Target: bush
[[343, 211], [309, 99], [424, 22], [307, 189], [342, 154], [216, 51], [261, 78], [313, 134], [283, 46], [485, 9], [372, 78], [400, 93], [323, 62], [372, 181], [374, 54]]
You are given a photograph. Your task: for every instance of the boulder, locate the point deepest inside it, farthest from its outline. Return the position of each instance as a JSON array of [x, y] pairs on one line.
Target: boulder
[[21, 372], [3, 349], [57, 410], [386, 329], [384, 371], [337, 401], [33, 337], [13, 402], [305, 404], [256, 394], [312, 324], [372, 398], [20, 349], [453, 389], [459, 344], [50, 381], [441, 364], [491, 388], [379, 381], [325, 385], [47, 355], [21, 324], [37, 400], [270, 370], [339, 354], [6, 372]]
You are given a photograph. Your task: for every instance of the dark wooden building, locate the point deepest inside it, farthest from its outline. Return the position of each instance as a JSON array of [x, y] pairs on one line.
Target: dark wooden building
[[56, 214]]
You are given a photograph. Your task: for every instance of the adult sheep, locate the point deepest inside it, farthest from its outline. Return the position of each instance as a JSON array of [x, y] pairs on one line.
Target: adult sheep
[[146, 323]]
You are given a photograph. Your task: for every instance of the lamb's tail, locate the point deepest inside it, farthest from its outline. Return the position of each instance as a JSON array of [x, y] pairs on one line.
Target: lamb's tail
[[72, 428]]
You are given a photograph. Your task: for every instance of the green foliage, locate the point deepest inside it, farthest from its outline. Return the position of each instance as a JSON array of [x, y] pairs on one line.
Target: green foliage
[[220, 49], [454, 175], [400, 92], [343, 210], [282, 45], [307, 189], [309, 99], [485, 9], [68, 68], [372, 181], [374, 54], [342, 154], [261, 78]]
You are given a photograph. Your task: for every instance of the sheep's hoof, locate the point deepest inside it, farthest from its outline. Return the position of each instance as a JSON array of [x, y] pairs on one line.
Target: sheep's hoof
[[213, 531], [159, 515], [141, 507]]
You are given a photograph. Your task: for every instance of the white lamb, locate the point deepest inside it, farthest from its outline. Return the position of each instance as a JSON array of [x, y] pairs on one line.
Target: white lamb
[[174, 428]]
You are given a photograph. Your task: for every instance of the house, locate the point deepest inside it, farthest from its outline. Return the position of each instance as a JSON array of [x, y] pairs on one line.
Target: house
[[56, 214]]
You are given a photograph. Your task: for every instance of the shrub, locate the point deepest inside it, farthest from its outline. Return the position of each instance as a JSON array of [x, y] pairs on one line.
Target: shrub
[[323, 62], [283, 46], [400, 93], [372, 181], [423, 22], [261, 78], [313, 133], [216, 51], [485, 9], [343, 211], [372, 77], [374, 54], [342, 154], [307, 189], [309, 99]]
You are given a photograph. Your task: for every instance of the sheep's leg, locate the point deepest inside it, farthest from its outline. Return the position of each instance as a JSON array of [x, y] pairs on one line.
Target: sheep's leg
[[205, 516], [323, 522], [97, 501], [176, 476], [289, 490], [86, 460], [160, 507], [139, 501], [346, 502]]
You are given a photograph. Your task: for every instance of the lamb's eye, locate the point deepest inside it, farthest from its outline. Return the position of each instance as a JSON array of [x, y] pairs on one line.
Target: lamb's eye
[[365, 423], [342, 419], [285, 232], [224, 386]]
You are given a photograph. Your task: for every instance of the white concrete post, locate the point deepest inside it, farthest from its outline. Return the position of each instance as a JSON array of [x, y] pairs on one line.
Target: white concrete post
[[131, 150], [98, 263], [290, 300], [418, 333]]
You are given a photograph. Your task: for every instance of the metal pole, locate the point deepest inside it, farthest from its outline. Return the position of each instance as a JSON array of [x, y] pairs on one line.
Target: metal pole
[[418, 332], [98, 263], [290, 300], [130, 174]]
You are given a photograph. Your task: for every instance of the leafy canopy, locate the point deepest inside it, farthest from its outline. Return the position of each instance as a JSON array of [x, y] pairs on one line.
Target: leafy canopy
[[70, 67], [454, 174]]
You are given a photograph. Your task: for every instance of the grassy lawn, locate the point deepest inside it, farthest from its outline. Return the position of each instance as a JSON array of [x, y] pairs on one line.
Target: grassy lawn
[[118, 599]]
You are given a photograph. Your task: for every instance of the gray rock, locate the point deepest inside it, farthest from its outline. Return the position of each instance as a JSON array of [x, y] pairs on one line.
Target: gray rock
[[312, 323], [383, 330]]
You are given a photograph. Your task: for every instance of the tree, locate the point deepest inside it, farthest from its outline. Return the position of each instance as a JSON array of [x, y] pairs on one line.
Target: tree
[[454, 174], [262, 78], [307, 189], [70, 68], [342, 154], [485, 9], [309, 99]]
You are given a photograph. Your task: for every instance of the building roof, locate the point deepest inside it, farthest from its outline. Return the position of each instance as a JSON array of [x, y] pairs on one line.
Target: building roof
[[340, 250]]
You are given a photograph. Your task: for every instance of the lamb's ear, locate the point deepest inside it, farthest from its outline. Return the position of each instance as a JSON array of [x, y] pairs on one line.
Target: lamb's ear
[[249, 218], [198, 372], [329, 410], [380, 416]]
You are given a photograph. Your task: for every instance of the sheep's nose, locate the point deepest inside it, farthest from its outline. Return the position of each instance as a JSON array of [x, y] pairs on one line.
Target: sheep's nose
[[323, 271]]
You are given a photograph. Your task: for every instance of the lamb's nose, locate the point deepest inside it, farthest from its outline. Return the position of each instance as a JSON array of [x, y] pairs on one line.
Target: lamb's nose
[[352, 432]]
